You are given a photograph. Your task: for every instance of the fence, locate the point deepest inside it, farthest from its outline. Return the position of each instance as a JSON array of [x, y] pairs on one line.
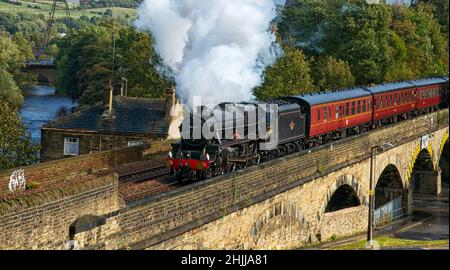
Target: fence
[[389, 212]]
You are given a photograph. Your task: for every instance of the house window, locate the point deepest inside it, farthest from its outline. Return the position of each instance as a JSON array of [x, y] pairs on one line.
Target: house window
[[71, 146], [134, 143]]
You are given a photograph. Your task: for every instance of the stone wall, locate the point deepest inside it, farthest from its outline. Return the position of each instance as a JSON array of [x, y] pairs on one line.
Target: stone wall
[[344, 223], [307, 177], [59, 170], [52, 143], [276, 205], [42, 221]]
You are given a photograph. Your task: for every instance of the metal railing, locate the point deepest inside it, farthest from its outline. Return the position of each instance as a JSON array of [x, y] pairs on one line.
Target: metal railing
[[390, 212], [49, 62]]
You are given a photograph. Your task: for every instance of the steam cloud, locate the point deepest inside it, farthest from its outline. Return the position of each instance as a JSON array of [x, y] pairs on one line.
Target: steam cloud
[[216, 49]]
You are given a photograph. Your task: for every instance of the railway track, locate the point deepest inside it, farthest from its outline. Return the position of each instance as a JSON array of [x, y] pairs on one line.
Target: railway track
[[147, 189], [143, 179], [144, 174]]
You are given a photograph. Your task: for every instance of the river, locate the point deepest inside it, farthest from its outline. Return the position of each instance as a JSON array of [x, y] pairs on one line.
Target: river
[[41, 106]]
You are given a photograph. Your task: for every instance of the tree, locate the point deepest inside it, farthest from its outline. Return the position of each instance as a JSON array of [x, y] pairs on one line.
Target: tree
[[331, 73], [290, 75], [440, 11], [379, 42], [9, 92], [16, 148], [418, 48], [85, 63], [13, 54], [353, 31]]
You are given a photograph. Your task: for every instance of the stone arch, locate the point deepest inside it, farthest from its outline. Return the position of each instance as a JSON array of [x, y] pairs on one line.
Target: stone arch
[[344, 197], [280, 226], [424, 177], [85, 223], [443, 143], [385, 160], [443, 162], [342, 180], [388, 185]]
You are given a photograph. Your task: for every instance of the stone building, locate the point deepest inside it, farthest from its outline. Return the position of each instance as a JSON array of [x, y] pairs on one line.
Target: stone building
[[117, 122]]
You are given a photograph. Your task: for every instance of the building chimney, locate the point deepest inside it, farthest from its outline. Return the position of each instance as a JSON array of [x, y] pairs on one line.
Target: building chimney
[[105, 97], [124, 85], [170, 100], [108, 101]]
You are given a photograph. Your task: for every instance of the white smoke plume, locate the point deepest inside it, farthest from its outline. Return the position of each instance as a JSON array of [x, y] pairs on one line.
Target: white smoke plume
[[216, 49]]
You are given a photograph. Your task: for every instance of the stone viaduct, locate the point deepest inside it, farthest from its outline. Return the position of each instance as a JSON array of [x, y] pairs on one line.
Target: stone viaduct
[[286, 203]]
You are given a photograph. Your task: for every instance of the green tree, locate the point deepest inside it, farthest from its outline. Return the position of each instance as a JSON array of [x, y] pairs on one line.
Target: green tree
[[289, 75], [16, 148], [353, 31], [331, 73], [440, 11], [9, 92], [418, 48], [85, 63], [13, 54]]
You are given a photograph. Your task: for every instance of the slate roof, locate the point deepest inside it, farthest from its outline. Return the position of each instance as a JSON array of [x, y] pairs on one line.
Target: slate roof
[[132, 116]]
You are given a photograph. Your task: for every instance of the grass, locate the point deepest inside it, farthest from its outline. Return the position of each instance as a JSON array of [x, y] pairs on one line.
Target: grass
[[45, 7], [386, 241]]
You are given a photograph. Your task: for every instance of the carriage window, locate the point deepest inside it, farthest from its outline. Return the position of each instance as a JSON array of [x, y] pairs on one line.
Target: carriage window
[[318, 114], [337, 112], [325, 113], [347, 109], [381, 102], [364, 106], [359, 106], [353, 108]]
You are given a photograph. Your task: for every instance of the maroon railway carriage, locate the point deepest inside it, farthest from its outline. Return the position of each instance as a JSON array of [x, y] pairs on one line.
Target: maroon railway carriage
[[398, 101], [335, 114]]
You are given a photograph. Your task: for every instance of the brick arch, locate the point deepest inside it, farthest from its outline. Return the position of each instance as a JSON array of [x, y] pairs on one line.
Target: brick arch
[[285, 212], [342, 180]]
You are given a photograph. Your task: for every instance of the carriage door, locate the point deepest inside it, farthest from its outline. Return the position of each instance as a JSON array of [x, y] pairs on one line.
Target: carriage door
[[340, 115]]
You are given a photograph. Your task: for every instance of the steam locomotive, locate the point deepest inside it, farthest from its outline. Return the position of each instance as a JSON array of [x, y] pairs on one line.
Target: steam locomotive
[[302, 122]]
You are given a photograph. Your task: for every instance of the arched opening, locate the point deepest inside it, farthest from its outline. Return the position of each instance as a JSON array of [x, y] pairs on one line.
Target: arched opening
[[444, 165], [344, 197], [423, 177], [389, 186]]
